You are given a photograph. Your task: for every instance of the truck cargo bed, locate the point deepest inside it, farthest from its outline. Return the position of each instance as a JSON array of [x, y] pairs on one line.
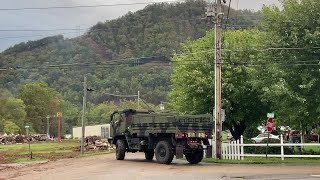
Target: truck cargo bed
[[145, 124]]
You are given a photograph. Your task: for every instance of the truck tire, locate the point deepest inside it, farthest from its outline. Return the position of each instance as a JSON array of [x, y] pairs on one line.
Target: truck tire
[[195, 156], [164, 152], [120, 149], [149, 153]]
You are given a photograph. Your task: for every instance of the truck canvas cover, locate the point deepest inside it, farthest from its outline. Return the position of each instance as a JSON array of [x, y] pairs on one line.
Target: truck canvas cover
[[145, 124]]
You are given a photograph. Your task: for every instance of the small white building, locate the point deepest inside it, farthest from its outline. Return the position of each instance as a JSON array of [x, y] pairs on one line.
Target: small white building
[[102, 130]]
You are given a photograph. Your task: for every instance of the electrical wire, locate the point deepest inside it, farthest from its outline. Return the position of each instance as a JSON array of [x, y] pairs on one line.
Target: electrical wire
[[87, 6], [74, 30], [237, 11], [228, 14], [153, 59], [117, 95]]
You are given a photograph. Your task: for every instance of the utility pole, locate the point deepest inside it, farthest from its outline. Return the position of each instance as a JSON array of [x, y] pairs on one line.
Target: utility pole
[[83, 112], [48, 134], [138, 100], [59, 126], [218, 84], [216, 11]]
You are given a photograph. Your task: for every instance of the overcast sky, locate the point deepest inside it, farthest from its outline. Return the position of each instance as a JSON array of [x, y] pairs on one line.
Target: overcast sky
[[72, 18]]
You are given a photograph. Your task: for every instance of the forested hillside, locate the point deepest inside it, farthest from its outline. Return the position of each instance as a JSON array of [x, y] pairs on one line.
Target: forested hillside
[[157, 30]]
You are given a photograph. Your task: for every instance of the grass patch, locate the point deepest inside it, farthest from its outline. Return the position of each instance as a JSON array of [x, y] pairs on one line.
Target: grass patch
[[23, 160], [312, 148], [46, 150], [40, 147], [260, 160]]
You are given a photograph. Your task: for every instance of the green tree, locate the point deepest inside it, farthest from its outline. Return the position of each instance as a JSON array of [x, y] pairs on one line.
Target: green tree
[[295, 95], [70, 116], [38, 98], [193, 87], [11, 108], [100, 114], [10, 127]]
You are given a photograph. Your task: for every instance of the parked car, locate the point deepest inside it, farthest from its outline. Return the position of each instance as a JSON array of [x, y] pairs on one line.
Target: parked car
[[294, 136], [313, 137], [264, 136]]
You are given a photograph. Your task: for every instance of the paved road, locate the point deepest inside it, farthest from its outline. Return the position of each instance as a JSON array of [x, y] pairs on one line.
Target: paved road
[[135, 167]]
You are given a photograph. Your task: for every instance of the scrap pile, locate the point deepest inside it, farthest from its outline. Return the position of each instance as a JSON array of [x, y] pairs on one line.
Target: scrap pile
[[14, 139], [95, 143]]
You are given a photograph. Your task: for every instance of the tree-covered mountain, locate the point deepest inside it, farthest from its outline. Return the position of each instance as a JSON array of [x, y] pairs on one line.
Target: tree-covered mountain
[[108, 53]]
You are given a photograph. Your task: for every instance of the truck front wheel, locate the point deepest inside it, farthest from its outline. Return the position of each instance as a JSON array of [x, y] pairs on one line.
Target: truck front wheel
[[120, 149], [164, 152], [149, 153], [195, 156]]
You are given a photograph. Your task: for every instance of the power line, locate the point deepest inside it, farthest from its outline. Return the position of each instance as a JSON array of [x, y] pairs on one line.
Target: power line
[[117, 95], [90, 30], [86, 6], [153, 59], [271, 48], [247, 64], [39, 35], [113, 28], [85, 29], [35, 30], [228, 14], [74, 30]]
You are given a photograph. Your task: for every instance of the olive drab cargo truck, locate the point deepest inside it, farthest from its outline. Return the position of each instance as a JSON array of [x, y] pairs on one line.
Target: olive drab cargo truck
[[162, 135]]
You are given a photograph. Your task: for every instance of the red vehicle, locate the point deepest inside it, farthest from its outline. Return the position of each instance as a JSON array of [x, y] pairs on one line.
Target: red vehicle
[[313, 136]]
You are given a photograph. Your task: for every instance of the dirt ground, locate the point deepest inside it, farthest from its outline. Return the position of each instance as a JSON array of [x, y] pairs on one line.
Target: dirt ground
[[135, 167]]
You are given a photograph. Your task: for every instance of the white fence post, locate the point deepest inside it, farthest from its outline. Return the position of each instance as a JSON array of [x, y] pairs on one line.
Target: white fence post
[[232, 150], [228, 150], [238, 149], [223, 151], [282, 150], [235, 150], [213, 144], [242, 148]]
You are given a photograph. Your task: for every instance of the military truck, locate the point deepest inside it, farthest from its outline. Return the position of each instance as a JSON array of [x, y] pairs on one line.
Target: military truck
[[160, 134]]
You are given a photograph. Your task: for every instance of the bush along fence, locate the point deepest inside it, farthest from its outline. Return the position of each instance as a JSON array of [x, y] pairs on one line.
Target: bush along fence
[[238, 150]]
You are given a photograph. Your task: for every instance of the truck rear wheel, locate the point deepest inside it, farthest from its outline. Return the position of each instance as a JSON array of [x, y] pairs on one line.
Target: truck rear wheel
[[120, 149], [164, 152], [149, 153], [195, 156]]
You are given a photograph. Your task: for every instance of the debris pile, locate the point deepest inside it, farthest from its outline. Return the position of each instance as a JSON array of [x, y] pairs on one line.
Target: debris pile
[[95, 143], [14, 139]]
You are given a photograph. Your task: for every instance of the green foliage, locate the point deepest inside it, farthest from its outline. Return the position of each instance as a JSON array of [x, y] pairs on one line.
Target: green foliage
[[11, 108], [193, 87], [40, 101], [101, 113], [295, 94], [10, 127]]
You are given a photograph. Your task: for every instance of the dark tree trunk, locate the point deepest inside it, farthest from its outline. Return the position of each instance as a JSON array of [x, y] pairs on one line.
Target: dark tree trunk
[[237, 130]]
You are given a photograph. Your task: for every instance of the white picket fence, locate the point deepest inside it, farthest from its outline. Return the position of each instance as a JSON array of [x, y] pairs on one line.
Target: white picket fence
[[235, 150]]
